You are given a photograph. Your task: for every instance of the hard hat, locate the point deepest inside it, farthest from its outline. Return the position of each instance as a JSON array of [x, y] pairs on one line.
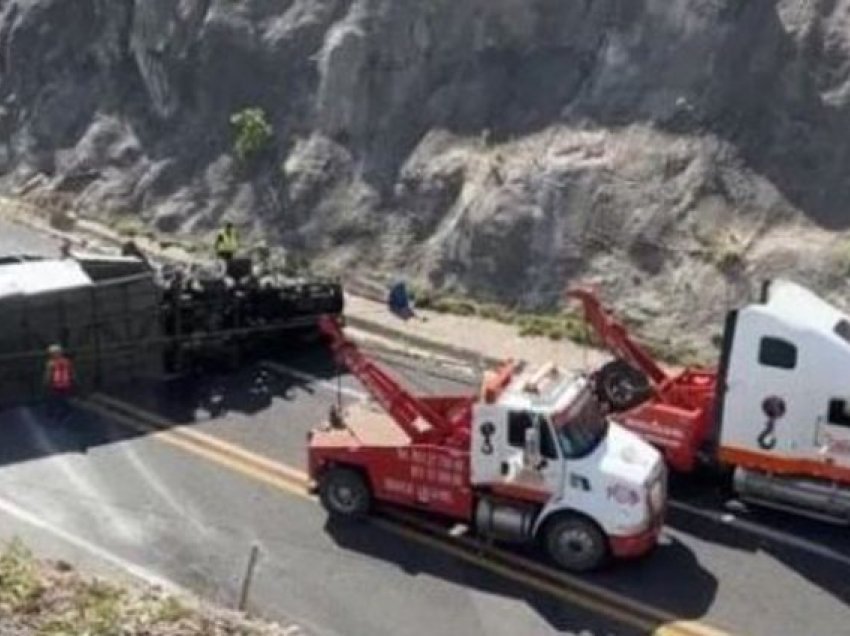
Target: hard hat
[[54, 349]]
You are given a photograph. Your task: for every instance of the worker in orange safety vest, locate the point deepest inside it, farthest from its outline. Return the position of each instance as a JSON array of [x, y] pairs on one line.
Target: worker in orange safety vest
[[58, 380]]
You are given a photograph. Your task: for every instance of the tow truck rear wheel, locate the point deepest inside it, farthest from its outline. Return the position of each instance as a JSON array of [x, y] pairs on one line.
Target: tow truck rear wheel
[[344, 493], [575, 543]]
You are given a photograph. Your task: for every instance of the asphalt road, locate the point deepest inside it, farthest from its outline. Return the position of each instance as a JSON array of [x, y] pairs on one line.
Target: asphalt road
[[192, 519]]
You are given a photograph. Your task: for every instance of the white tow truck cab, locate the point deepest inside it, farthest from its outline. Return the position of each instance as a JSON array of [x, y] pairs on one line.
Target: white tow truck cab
[[548, 464], [783, 409]]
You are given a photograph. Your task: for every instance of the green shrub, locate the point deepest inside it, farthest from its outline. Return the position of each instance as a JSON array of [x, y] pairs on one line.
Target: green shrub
[[252, 132], [19, 580], [841, 258], [726, 253]]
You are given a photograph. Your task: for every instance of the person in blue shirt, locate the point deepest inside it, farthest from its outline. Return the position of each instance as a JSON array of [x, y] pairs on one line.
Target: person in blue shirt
[[399, 301]]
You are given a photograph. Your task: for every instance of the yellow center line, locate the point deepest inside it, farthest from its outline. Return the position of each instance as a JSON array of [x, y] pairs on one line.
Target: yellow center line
[[294, 481], [657, 615], [215, 443]]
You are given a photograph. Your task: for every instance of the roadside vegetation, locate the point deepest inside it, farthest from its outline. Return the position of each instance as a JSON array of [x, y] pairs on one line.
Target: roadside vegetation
[[51, 599], [567, 324], [555, 326]]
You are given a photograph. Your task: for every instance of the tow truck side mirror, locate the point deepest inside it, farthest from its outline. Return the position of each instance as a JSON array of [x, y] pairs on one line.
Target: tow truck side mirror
[[531, 451]]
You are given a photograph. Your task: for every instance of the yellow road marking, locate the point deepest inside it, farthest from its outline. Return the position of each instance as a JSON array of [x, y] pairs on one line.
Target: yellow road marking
[[210, 441], [521, 577], [295, 482], [523, 564], [174, 439]]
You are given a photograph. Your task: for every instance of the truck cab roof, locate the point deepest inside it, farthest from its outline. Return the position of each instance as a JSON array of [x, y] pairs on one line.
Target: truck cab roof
[[796, 307], [544, 390], [799, 306]]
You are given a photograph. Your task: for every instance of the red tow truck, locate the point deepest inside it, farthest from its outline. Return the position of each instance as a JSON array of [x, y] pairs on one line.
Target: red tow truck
[[532, 458], [775, 412]]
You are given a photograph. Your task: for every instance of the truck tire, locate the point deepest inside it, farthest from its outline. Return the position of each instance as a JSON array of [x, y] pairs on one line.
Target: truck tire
[[344, 493], [575, 543], [621, 386]]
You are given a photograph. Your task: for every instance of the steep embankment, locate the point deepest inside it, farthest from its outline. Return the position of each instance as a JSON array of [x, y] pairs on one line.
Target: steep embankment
[[674, 150]]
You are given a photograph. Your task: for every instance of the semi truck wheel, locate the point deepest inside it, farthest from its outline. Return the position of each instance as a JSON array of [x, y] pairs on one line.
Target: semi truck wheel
[[345, 493], [621, 385], [575, 544]]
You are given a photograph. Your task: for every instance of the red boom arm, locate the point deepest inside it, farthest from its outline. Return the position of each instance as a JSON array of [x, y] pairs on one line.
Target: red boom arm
[[616, 339], [403, 407]]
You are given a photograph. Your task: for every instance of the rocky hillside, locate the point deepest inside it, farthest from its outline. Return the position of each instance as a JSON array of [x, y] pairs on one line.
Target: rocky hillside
[[675, 151]]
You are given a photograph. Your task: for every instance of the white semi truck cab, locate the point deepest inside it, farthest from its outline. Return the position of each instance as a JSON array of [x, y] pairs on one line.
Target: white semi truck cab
[[783, 407]]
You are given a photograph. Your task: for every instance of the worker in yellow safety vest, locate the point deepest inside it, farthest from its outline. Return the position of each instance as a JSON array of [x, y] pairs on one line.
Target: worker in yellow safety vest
[[226, 242]]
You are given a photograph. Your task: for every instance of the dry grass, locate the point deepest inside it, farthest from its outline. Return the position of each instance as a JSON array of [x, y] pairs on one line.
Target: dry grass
[[555, 326], [42, 599]]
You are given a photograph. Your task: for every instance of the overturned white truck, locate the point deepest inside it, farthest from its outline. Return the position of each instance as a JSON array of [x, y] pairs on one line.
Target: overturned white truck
[[120, 319]]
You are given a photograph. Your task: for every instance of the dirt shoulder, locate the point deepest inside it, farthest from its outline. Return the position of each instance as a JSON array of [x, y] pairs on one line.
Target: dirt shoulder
[[480, 341]]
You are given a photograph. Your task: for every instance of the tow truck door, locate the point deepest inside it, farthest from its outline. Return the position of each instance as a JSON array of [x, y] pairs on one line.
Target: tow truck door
[[498, 449], [548, 475]]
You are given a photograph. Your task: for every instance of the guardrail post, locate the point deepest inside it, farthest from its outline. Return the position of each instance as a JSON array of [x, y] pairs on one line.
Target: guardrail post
[[248, 577]]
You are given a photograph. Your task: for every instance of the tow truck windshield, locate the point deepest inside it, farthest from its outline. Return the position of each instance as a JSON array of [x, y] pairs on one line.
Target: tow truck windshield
[[580, 427]]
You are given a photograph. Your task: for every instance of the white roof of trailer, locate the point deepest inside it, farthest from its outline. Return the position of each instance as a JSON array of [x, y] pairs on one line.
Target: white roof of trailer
[[37, 277]]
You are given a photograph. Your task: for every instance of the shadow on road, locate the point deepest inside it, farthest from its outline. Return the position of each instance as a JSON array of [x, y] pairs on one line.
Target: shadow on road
[[29, 432], [703, 490], [214, 391], [828, 576], [671, 562]]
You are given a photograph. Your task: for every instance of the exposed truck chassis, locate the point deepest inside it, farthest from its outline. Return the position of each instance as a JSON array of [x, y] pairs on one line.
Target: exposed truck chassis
[[121, 320]]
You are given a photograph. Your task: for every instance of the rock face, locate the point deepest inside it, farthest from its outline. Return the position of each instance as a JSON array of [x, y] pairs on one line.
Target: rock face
[[675, 151]]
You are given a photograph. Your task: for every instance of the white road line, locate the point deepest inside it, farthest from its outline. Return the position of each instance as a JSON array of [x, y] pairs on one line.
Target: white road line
[[13, 510], [181, 510], [723, 518], [309, 377]]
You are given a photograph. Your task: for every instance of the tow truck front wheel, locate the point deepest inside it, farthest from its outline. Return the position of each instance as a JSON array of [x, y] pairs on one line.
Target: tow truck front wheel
[[575, 544], [345, 493]]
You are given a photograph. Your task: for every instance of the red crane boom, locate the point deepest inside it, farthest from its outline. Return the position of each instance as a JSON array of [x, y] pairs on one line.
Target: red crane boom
[[423, 419], [678, 413], [616, 339]]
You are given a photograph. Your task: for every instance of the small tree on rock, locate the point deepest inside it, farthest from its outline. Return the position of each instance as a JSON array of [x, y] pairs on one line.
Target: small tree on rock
[[252, 131]]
